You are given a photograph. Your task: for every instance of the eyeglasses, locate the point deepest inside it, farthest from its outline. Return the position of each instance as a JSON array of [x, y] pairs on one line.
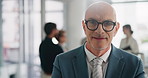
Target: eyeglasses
[[106, 25]]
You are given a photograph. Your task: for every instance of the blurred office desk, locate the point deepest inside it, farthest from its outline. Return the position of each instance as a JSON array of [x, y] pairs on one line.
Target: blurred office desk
[[8, 71], [140, 55], [13, 71]]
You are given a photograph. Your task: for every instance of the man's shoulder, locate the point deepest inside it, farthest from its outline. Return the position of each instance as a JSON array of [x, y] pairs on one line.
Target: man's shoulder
[[127, 56], [45, 42], [72, 53]]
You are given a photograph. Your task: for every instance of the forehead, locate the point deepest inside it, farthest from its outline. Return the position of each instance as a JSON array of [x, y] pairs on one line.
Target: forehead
[[100, 12]]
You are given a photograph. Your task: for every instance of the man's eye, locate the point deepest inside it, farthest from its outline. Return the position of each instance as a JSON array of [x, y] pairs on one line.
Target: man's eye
[[93, 22], [108, 23]]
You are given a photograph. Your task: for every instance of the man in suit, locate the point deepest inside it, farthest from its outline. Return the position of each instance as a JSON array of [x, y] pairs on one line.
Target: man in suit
[[100, 26], [48, 50]]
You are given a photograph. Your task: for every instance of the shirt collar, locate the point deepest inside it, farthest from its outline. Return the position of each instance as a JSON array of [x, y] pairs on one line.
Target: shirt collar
[[91, 56]]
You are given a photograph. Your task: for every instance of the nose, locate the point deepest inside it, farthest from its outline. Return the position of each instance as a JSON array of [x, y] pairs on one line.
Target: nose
[[99, 30]]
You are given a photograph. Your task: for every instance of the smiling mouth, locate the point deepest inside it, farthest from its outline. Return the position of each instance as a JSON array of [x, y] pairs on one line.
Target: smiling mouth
[[98, 38]]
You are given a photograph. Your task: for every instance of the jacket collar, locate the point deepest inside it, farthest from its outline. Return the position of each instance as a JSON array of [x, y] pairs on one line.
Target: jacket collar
[[115, 65], [80, 64]]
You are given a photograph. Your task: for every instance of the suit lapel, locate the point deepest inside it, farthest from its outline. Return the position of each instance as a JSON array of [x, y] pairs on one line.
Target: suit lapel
[[114, 69], [80, 64], [115, 65]]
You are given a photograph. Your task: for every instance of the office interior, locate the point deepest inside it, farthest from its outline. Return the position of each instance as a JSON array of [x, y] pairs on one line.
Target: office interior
[[22, 23]]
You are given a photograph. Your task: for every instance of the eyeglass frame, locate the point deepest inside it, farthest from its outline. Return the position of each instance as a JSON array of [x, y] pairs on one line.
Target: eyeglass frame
[[86, 21]]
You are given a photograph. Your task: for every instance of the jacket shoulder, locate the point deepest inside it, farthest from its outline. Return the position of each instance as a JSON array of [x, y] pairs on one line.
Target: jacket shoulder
[[72, 53], [128, 57]]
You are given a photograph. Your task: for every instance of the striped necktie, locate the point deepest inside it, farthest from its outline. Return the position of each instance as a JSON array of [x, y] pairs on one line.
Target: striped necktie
[[97, 68]]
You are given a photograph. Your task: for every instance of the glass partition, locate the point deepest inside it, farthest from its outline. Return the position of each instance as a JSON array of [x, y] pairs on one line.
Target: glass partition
[[11, 39]]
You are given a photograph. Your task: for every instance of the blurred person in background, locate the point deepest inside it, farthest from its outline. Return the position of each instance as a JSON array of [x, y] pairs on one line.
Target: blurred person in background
[[129, 43], [48, 50], [61, 37]]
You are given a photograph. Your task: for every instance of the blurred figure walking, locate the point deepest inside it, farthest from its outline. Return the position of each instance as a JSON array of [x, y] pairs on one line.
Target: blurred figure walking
[[48, 50]]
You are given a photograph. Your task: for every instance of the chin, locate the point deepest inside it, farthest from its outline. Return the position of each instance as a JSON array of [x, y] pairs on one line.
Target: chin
[[99, 47]]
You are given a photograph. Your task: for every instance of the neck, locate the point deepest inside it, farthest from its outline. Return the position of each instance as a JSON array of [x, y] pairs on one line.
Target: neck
[[97, 52], [50, 36], [128, 36]]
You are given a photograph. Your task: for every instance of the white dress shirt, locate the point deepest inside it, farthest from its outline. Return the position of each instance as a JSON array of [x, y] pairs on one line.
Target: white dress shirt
[[132, 43], [91, 56]]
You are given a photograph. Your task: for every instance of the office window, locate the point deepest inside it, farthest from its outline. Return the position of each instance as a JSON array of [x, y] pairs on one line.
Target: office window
[[126, 0], [54, 12], [11, 39]]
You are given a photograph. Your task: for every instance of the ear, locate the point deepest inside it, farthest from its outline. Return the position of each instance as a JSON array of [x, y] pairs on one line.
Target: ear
[[83, 24], [117, 28]]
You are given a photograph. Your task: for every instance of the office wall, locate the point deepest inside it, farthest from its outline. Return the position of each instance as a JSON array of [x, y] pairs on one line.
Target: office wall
[[75, 15]]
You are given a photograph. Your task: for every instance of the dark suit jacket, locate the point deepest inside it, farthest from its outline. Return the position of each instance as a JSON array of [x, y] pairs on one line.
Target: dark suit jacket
[[121, 65], [47, 52]]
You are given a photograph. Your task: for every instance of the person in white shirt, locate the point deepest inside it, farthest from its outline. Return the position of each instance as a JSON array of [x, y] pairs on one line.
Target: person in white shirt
[[129, 43]]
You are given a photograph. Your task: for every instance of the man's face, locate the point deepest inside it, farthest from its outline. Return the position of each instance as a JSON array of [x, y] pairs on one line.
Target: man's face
[[63, 38], [55, 32], [99, 39]]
